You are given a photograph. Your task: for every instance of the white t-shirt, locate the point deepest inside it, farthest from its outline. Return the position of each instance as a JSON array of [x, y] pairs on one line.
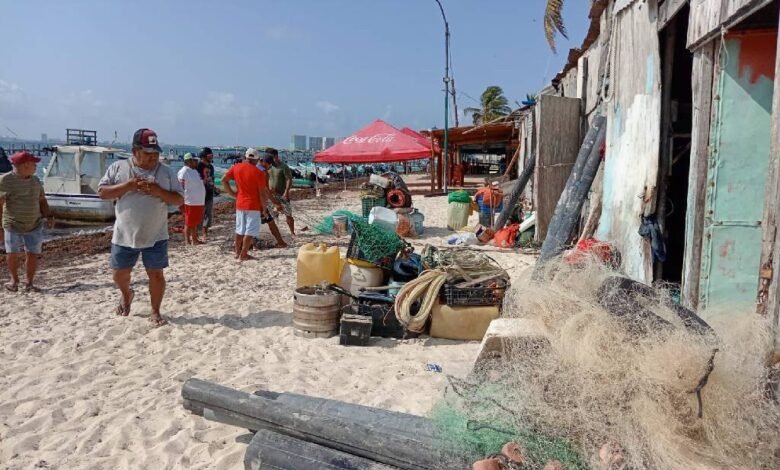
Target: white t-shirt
[[141, 219], [194, 189]]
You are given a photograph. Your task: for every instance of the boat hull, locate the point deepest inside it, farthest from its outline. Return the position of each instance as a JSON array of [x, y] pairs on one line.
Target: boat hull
[[80, 207]]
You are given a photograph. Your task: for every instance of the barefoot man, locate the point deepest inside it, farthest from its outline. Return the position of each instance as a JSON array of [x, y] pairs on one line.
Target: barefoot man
[[194, 198], [250, 200], [206, 171], [280, 180], [22, 209], [143, 188]]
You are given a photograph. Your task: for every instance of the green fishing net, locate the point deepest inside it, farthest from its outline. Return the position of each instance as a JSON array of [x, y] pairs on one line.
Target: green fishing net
[[326, 226], [374, 243], [475, 427]]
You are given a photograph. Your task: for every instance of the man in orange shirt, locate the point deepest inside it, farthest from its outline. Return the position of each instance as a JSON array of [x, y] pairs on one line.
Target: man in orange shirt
[[250, 200]]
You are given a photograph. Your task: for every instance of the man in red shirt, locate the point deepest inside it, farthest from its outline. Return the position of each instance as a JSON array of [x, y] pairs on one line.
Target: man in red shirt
[[250, 200]]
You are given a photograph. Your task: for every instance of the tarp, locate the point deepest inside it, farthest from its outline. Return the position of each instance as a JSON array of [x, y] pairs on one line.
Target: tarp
[[379, 142]]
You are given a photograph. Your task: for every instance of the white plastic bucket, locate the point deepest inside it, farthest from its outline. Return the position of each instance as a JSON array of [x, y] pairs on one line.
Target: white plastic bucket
[[384, 218]]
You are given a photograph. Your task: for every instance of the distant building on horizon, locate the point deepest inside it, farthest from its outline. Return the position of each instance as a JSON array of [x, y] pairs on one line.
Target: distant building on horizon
[[298, 143], [44, 138], [329, 142], [315, 144]]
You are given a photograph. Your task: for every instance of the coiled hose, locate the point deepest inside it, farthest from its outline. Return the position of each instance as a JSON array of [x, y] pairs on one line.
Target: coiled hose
[[425, 288]]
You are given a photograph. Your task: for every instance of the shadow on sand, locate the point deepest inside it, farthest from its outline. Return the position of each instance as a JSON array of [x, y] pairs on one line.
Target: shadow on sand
[[263, 319]]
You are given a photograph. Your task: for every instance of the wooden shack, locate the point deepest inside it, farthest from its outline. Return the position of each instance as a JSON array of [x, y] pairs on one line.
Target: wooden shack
[[688, 89]]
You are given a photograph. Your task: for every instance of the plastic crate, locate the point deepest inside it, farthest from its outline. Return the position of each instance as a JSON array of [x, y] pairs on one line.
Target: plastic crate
[[353, 252], [492, 294], [371, 202]]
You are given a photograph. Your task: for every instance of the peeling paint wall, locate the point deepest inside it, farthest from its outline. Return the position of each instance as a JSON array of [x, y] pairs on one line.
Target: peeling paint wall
[[633, 133], [738, 165]]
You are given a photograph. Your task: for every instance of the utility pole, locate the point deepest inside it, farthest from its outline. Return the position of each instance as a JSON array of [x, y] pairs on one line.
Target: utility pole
[[445, 151], [454, 102]]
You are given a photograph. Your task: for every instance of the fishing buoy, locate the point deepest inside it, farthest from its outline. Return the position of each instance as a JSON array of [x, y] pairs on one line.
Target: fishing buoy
[[396, 198]]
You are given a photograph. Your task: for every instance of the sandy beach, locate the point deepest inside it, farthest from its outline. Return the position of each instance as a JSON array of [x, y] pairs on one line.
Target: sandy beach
[[81, 388]]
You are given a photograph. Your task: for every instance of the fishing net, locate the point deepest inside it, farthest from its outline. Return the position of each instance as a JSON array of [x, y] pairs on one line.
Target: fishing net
[[326, 226], [373, 244], [600, 379]]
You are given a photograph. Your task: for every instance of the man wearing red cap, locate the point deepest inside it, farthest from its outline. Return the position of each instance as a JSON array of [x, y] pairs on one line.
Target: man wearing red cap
[[22, 208], [143, 189]]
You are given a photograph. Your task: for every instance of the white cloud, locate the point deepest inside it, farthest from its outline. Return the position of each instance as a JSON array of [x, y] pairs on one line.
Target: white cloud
[[220, 104], [327, 107], [9, 92]]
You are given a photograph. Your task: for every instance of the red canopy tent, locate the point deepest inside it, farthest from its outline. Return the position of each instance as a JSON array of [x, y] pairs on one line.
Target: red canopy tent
[[379, 142], [422, 139]]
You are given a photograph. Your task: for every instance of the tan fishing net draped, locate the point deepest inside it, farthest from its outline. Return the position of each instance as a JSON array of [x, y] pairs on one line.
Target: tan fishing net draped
[[586, 376]]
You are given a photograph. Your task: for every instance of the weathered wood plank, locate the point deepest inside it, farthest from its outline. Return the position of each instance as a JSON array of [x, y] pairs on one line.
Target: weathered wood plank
[[667, 11], [702, 87], [559, 141], [406, 450], [768, 302], [633, 140], [708, 16], [270, 450]]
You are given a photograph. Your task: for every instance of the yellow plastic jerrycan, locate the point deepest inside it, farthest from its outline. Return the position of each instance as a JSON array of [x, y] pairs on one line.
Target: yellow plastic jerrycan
[[318, 263]]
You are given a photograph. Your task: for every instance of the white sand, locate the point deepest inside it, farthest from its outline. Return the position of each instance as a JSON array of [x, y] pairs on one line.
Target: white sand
[[83, 389]]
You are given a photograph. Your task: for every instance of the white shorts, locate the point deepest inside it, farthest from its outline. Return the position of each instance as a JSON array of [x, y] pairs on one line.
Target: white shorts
[[248, 223]]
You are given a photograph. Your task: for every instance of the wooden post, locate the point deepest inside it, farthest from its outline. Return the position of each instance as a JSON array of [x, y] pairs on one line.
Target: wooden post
[[768, 299], [704, 70], [440, 171]]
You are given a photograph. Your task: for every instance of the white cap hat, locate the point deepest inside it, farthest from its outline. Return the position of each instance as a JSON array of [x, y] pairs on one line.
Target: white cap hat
[[252, 154]]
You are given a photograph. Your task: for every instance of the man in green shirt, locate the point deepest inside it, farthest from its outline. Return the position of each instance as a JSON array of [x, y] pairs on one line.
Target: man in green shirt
[[280, 181], [22, 209]]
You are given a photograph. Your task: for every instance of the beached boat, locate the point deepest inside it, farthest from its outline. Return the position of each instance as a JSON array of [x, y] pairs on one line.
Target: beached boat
[[71, 183]]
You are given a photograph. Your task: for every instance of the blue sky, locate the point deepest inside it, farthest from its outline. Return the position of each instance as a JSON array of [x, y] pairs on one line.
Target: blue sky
[[255, 72]]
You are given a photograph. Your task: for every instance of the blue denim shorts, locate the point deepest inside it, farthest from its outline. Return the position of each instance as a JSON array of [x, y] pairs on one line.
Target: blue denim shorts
[[155, 257], [19, 242]]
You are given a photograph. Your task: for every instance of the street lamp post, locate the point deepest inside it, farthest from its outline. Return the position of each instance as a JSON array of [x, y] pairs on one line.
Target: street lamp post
[[445, 154]]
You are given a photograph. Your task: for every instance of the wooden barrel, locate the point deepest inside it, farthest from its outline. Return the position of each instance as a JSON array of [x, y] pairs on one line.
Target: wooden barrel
[[316, 312]]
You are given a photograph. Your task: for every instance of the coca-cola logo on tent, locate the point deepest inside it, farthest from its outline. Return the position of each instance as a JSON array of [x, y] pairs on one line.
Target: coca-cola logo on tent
[[371, 139]]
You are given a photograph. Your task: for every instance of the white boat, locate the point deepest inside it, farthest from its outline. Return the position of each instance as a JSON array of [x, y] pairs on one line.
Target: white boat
[[71, 180]]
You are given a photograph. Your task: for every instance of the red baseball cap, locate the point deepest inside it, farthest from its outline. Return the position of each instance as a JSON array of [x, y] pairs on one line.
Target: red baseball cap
[[147, 139], [22, 157]]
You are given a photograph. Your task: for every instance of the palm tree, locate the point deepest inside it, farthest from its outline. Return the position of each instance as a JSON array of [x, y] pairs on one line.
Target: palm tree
[[553, 22], [493, 105]]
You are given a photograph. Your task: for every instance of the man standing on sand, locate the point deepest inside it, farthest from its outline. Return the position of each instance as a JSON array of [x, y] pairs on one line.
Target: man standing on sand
[[279, 182], [266, 163], [206, 171], [250, 201], [22, 209], [143, 188], [194, 198]]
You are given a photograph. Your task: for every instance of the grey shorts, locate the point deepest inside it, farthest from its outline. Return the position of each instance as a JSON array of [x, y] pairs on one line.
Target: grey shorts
[[208, 214]]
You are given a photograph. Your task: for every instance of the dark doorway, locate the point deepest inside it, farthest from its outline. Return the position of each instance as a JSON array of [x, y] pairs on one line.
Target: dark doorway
[[676, 124]]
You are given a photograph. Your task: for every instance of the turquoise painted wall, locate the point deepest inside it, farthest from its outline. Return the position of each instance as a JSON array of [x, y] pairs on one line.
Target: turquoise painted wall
[[739, 159]]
